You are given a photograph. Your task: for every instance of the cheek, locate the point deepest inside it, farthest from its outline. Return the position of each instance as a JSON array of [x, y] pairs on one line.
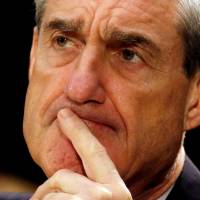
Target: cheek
[[57, 152], [44, 87], [154, 122], [49, 149], [152, 117]]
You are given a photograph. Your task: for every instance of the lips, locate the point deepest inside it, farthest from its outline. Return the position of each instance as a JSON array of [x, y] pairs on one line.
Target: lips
[[93, 119], [94, 115]]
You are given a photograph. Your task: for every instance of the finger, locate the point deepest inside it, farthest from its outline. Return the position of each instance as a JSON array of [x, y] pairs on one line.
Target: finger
[[96, 161], [61, 196], [72, 183]]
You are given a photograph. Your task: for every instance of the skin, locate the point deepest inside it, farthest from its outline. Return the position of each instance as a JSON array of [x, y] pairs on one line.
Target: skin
[[132, 98]]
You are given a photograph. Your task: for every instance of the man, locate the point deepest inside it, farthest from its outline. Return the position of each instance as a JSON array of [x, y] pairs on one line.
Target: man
[[113, 87]]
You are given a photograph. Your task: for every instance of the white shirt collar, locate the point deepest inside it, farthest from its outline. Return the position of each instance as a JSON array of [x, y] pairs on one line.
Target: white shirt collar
[[165, 195]]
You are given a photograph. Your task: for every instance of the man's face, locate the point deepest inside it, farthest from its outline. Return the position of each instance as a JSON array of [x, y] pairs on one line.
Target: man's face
[[118, 66]]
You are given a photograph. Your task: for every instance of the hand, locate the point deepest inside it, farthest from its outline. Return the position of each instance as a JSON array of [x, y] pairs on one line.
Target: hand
[[103, 181]]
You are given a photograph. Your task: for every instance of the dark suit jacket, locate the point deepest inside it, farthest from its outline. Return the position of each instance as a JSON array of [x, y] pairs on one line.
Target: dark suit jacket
[[14, 196], [187, 186]]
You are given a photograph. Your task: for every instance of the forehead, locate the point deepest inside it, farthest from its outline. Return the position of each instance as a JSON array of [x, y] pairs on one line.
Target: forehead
[[153, 18], [145, 14], [127, 4], [133, 9]]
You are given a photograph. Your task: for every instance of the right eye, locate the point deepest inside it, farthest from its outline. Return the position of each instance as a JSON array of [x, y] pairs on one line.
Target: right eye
[[63, 42]]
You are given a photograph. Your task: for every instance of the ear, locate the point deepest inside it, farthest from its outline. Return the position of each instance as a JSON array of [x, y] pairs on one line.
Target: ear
[[193, 107], [33, 52]]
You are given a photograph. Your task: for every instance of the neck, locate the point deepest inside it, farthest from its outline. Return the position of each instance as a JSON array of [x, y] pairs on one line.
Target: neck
[[169, 179]]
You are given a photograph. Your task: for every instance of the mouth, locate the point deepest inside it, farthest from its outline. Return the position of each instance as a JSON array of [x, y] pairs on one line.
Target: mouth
[[96, 123], [97, 119], [98, 127]]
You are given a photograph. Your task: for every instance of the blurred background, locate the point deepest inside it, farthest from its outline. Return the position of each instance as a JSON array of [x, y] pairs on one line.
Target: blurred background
[[17, 170]]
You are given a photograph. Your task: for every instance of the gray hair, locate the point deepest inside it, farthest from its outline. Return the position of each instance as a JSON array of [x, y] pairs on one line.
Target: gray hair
[[40, 8], [188, 27]]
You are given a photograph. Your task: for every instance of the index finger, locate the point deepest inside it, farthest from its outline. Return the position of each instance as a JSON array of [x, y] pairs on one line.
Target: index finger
[[96, 162]]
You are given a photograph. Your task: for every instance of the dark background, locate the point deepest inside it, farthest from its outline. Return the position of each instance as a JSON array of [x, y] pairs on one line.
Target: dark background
[[16, 34]]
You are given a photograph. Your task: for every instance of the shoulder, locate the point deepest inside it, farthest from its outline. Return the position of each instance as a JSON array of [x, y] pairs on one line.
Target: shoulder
[[14, 196], [187, 186]]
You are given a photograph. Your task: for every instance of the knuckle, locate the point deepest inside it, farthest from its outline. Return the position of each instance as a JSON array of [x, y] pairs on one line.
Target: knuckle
[[76, 198], [57, 177], [128, 196], [123, 192], [125, 195], [40, 188], [103, 193], [49, 196]]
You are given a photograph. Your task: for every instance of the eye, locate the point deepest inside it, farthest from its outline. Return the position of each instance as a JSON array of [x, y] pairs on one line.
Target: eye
[[63, 42], [130, 56]]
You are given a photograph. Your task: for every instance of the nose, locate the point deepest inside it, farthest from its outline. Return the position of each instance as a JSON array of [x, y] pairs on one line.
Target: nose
[[84, 84]]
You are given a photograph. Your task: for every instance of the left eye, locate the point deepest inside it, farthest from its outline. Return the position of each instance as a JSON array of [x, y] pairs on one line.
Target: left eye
[[130, 55]]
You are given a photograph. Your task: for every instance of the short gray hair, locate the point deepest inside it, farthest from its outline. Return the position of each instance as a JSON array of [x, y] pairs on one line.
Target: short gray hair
[[40, 8], [188, 27]]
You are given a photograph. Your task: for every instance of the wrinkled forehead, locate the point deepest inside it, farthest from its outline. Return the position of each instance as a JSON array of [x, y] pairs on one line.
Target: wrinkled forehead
[[128, 12], [117, 3], [157, 8]]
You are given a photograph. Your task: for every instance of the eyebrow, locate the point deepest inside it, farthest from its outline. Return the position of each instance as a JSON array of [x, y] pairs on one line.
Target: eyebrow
[[115, 37], [67, 25]]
